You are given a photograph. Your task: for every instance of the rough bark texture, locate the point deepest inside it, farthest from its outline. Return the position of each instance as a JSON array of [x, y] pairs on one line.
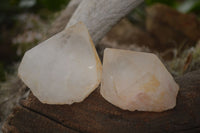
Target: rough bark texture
[[101, 15], [63, 18], [95, 115]]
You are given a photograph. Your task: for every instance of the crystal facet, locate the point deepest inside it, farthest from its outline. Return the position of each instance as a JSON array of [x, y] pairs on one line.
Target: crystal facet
[[137, 81], [63, 69]]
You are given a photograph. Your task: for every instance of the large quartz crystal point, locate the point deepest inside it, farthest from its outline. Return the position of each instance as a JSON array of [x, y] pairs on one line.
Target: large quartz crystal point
[[137, 81], [63, 69]]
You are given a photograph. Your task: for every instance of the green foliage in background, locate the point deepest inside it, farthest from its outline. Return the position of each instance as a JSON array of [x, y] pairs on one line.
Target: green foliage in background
[[171, 3], [7, 8], [10, 8], [138, 15], [184, 6], [53, 5], [189, 6]]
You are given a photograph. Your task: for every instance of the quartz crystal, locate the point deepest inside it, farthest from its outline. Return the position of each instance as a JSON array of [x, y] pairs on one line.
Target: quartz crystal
[[63, 69], [137, 81]]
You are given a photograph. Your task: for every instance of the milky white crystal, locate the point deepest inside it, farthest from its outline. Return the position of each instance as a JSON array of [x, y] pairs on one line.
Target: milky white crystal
[[63, 69], [137, 81]]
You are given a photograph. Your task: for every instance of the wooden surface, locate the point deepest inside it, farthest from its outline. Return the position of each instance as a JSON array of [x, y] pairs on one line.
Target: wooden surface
[[26, 121], [95, 115]]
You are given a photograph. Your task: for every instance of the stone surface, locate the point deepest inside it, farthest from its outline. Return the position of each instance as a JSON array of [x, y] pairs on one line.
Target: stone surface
[[137, 81], [63, 69]]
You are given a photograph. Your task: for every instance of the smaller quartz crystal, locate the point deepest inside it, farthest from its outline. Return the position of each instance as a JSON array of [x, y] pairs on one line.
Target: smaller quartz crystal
[[137, 81]]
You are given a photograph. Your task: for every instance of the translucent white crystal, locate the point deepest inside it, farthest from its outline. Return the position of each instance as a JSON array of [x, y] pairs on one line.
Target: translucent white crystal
[[137, 81], [63, 69]]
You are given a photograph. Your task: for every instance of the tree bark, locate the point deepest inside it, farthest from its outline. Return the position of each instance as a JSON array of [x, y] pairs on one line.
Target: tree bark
[[63, 18], [101, 15], [95, 115]]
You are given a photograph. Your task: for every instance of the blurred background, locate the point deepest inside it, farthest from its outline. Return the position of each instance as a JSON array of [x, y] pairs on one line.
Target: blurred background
[[168, 28]]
